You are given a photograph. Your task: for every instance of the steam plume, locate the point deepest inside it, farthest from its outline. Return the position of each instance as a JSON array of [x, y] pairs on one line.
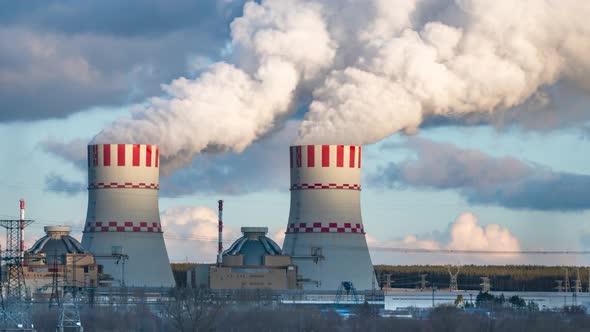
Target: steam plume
[[277, 43], [369, 68]]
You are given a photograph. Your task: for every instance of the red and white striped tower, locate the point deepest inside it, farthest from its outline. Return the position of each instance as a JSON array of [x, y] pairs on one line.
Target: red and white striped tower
[[123, 214], [220, 236], [325, 234], [22, 231]]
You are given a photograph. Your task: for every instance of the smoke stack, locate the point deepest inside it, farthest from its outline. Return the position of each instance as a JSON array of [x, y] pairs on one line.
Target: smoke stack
[[123, 213], [220, 237], [325, 233], [22, 231]]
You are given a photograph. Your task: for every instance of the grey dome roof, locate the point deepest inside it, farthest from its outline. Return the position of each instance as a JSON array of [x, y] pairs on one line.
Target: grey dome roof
[[254, 245], [56, 242]]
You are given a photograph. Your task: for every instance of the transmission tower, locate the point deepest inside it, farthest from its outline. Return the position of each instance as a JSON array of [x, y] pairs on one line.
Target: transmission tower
[[15, 307], [566, 287], [423, 281], [69, 306], [559, 286], [55, 289], [578, 282], [453, 286], [387, 283], [485, 284]]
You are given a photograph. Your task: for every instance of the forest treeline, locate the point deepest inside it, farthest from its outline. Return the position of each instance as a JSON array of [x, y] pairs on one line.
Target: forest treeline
[[502, 277]]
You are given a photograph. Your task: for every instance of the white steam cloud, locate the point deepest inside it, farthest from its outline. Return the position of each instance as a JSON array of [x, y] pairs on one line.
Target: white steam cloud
[[278, 44], [369, 68]]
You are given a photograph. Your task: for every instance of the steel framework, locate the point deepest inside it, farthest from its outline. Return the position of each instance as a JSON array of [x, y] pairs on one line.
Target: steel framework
[[16, 309]]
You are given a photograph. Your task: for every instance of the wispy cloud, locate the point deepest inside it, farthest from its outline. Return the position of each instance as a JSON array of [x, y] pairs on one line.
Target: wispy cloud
[[484, 179], [58, 184]]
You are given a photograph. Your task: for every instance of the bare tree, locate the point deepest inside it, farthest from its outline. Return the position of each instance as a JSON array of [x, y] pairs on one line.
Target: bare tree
[[192, 309]]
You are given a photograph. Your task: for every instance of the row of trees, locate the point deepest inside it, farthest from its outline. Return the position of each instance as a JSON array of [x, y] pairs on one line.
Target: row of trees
[[503, 277]]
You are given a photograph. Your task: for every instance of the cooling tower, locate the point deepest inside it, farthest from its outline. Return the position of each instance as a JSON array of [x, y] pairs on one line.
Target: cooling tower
[[123, 214], [325, 233]]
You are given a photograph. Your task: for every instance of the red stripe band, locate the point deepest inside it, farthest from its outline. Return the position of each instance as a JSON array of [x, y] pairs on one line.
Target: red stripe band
[[299, 186], [310, 156], [326, 227], [106, 155], [135, 155], [148, 155], [325, 156], [120, 154], [340, 156], [123, 226], [141, 185]]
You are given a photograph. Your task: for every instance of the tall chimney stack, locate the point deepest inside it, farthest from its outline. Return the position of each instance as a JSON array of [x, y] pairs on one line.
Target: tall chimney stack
[[123, 215], [325, 233], [220, 237], [22, 231]]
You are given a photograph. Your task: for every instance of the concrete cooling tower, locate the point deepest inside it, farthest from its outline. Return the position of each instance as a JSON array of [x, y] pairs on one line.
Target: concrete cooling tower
[[325, 234], [123, 215]]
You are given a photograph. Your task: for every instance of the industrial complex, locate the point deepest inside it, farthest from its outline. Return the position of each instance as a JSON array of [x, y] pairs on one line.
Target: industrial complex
[[123, 257], [123, 244]]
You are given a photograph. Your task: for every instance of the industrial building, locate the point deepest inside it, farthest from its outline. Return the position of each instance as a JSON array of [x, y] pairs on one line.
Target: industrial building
[[254, 261], [122, 227], [325, 235], [58, 255]]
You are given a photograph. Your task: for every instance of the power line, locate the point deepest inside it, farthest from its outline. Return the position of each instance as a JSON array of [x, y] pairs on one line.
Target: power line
[[483, 252]]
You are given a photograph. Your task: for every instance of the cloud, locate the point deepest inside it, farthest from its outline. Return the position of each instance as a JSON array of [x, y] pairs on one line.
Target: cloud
[[59, 58], [484, 179], [73, 151], [58, 184], [150, 17], [465, 233], [262, 166], [279, 236], [191, 233]]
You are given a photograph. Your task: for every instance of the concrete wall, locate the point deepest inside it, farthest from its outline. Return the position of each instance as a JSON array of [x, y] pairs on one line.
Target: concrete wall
[[251, 278], [277, 260]]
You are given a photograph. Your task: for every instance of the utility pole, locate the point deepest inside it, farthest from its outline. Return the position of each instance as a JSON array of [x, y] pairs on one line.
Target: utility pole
[[485, 284], [433, 290]]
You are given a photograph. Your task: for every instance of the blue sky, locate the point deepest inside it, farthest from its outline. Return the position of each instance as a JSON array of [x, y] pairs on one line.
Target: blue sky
[[535, 156], [388, 214]]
